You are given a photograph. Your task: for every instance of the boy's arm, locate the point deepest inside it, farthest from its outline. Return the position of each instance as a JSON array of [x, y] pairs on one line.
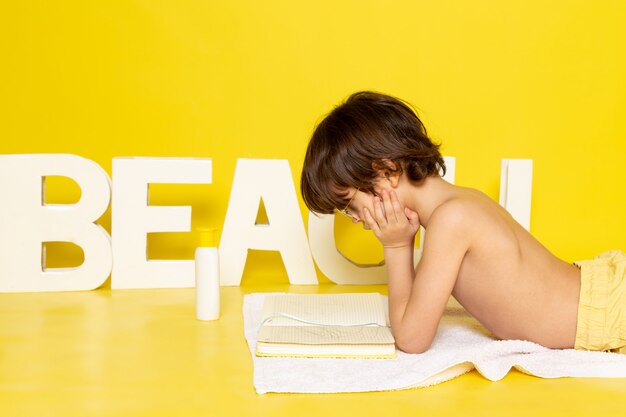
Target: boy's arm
[[416, 305], [417, 298]]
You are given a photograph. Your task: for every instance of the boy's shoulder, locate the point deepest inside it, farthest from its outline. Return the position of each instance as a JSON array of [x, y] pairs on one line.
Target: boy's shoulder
[[449, 233], [460, 213], [450, 211], [449, 220], [456, 208]]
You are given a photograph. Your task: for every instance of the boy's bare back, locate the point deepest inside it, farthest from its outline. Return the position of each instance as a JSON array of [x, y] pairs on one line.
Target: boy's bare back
[[509, 281]]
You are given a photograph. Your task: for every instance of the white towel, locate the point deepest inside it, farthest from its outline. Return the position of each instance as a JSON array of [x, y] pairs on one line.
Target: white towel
[[461, 344]]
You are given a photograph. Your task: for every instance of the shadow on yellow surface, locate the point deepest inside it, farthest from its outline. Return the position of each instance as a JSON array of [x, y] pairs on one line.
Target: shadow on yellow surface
[[142, 352]]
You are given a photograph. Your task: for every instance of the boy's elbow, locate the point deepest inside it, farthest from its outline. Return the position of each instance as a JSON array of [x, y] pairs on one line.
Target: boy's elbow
[[412, 344]]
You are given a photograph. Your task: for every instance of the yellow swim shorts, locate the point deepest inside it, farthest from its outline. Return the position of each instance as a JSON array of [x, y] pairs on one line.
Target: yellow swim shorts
[[601, 321]]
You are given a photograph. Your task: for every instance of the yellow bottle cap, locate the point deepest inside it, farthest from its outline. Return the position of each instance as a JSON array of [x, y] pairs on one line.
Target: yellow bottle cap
[[207, 236]]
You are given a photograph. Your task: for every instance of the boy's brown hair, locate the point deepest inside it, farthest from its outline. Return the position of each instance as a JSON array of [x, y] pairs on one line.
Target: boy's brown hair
[[350, 145]]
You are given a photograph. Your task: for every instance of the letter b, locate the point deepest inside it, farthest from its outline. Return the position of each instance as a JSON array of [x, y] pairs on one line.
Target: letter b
[[26, 221]]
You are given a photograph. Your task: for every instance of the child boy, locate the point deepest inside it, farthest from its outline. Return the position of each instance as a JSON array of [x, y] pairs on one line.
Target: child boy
[[371, 159]]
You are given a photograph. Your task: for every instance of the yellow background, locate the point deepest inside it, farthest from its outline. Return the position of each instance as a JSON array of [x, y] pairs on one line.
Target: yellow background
[[491, 80], [227, 79]]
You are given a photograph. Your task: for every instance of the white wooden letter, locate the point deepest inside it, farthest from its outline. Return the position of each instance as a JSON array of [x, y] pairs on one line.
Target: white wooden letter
[[334, 264], [516, 183], [270, 180], [26, 221], [450, 162], [133, 218]]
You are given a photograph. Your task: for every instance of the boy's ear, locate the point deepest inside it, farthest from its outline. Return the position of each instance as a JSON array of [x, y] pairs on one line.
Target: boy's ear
[[387, 169]]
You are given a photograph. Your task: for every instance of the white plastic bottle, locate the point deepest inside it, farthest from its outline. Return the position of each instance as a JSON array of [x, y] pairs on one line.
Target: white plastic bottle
[[207, 277]]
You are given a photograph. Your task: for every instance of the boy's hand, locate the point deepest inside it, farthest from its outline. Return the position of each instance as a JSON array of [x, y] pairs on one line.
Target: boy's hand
[[395, 226]]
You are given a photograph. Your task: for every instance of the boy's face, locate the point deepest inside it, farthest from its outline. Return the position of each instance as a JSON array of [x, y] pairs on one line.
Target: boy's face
[[357, 201], [355, 206]]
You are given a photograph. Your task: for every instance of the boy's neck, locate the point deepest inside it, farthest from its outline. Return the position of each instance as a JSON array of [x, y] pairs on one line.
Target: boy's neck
[[424, 197]]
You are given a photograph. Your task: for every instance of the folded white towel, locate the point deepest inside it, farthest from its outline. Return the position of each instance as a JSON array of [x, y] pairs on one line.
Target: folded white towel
[[461, 344]]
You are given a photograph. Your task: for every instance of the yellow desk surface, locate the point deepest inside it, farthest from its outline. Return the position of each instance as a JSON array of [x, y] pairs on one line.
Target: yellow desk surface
[[143, 353]]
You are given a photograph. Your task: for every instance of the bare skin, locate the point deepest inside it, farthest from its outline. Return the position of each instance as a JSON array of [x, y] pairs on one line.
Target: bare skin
[[473, 250]]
